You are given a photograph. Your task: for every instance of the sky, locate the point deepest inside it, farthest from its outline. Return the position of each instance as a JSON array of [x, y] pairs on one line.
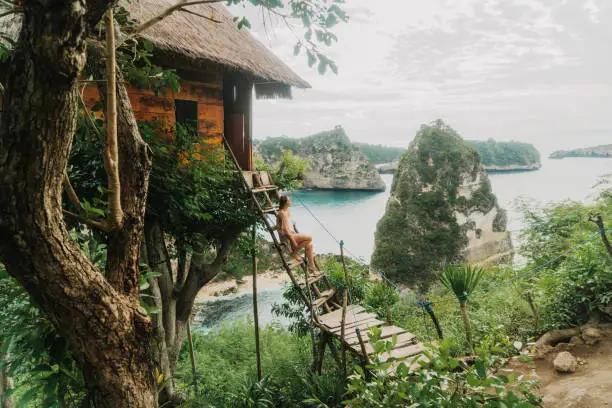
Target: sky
[[537, 71]]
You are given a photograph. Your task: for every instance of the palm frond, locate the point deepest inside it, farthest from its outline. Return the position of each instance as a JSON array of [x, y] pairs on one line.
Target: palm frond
[[462, 280]]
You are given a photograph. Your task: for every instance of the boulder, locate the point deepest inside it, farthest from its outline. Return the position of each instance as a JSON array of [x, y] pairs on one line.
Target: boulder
[[576, 340], [591, 335], [565, 362]]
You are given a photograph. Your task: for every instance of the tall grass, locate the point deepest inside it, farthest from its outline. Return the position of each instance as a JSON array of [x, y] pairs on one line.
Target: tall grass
[[227, 376]]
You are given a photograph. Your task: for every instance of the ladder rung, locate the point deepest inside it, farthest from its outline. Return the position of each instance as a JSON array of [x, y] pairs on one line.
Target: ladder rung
[[325, 296], [265, 188], [313, 278], [271, 210], [294, 263]]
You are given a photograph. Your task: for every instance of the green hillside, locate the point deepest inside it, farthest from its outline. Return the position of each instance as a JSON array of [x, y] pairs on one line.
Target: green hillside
[[503, 154]]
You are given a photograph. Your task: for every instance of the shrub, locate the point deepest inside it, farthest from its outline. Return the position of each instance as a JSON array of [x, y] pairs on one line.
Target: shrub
[[443, 381]]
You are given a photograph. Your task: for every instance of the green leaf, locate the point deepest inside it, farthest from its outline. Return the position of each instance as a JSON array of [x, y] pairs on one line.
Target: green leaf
[[28, 397], [244, 23], [481, 370], [148, 45]]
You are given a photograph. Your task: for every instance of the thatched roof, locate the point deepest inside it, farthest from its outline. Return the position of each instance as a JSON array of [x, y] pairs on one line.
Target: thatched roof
[[192, 36], [196, 39]]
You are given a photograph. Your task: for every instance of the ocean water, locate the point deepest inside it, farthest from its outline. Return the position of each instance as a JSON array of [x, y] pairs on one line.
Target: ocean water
[[331, 216], [352, 216]]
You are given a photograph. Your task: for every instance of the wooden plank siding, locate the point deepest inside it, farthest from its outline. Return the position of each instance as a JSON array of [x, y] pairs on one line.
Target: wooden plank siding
[[151, 107]]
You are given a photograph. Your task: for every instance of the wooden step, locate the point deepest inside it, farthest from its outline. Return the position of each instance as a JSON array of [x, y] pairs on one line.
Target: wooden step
[[361, 325], [312, 279], [294, 263], [407, 351], [403, 347], [264, 189], [350, 319], [270, 210], [385, 334], [325, 296], [337, 314]]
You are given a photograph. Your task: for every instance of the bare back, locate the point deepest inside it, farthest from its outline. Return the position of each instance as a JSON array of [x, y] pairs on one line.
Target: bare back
[[283, 222]]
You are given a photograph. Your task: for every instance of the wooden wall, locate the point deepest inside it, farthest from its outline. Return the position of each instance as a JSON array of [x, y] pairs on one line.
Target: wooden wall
[[150, 107]]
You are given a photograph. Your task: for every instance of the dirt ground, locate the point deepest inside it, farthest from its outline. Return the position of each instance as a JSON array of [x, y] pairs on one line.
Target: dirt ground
[[589, 387]]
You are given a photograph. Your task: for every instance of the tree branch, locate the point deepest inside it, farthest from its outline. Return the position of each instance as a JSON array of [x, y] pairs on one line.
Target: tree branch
[[101, 225], [200, 273], [201, 16], [170, 10], [72, 195], [597, 220], [111, 153]]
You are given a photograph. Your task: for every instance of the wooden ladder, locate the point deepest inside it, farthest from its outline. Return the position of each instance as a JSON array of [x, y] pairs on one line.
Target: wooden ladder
[[259, 186], [346, 323]]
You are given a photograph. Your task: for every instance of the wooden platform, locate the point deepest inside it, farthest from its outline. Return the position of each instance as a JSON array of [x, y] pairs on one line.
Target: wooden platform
[[357, 318]]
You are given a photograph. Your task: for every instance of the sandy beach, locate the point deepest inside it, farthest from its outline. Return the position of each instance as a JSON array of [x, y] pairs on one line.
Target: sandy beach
[[265, 280]]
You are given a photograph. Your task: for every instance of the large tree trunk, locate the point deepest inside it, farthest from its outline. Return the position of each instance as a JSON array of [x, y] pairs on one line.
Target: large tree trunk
[[106, 329]]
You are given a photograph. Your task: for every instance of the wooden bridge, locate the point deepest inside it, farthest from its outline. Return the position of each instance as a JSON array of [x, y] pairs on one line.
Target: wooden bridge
[[330, 312]]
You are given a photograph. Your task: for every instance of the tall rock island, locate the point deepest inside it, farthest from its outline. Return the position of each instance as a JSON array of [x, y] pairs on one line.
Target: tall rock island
[[334, 163], [441, 210]]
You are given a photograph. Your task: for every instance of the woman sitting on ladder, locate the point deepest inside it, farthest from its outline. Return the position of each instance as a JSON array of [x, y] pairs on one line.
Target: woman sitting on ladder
[[297, 241]]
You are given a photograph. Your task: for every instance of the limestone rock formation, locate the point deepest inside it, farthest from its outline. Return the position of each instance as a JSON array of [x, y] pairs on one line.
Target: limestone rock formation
[[565, 362], [334, 162], [441, 210]]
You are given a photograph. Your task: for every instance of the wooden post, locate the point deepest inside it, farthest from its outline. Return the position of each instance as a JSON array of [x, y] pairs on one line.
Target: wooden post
[[364, 359], [192, 357], [434, 319], [343, 330], [536, 315], [255, 311], [344, 306]]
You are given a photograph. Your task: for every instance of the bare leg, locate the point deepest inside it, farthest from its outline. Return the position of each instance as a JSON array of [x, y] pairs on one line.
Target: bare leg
[[302, 241], [310, 257]]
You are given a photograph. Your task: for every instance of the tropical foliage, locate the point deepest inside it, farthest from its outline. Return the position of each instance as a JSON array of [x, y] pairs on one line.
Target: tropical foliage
[[443, 381], [379, 154], [462, 281]]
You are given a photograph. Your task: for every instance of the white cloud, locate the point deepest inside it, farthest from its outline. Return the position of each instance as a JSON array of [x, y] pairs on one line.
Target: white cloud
[[534, 70]]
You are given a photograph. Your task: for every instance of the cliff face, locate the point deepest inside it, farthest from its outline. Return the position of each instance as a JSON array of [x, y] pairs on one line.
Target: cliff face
[[441, 210], [333, 161]]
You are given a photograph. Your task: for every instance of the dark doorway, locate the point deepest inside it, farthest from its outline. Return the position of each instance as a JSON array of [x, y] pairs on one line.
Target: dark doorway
[[237, 100]]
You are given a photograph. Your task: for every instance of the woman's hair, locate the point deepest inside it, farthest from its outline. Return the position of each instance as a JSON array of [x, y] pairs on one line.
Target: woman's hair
[[282, 202]]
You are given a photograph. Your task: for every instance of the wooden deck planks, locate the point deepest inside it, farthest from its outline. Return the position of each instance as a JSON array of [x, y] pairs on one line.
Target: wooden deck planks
[[350, 320], [387, 333], [337, 314], [361, 325], [403, 342]]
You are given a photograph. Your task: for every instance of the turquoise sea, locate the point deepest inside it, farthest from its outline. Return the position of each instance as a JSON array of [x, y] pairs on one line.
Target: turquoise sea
[[352, 216]]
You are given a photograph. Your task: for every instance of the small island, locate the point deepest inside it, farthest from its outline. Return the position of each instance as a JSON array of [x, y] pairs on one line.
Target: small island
[[601, 151], [507, 156], [334, 163]]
